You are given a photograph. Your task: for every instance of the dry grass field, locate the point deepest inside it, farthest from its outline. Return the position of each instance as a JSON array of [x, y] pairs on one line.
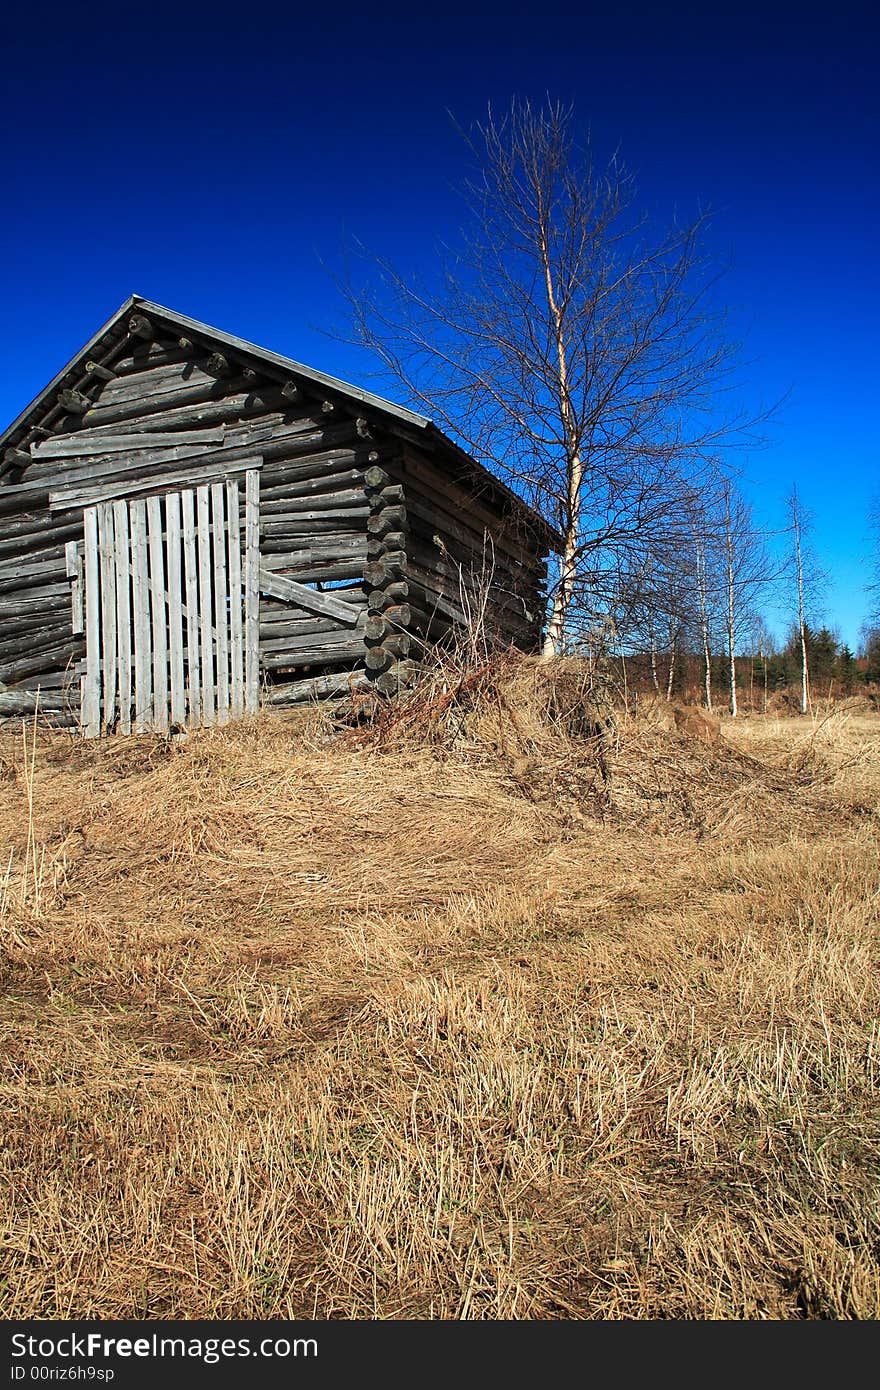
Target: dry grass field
[[452, 1018]]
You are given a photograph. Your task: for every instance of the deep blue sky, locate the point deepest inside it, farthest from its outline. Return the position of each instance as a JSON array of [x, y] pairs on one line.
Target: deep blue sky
[[212, 158]]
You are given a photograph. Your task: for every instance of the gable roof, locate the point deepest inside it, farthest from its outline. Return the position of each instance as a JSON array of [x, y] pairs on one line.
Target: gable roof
[[419, 429]]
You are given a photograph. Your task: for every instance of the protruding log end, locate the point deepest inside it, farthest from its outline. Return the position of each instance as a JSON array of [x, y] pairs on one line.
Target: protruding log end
[[219, 365], [396, 592], [377, 545], [375, 478], [139, 326], [388, 519], [375, 628], [385, 571], [397, 677], [391, 495], [74, 402], [94, 369], [291, 392], [14, 459], [378, 659]]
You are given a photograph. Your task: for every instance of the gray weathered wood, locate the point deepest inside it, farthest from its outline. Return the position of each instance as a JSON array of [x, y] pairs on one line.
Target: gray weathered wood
[[76, 402], [202, 404], [41, 658], [74, 567], [252, 592], [193, 640], [159, 618], [236, 629], [34, 601], [26, 574], [175, 609], [84, 496], [206, 621], [140, 593], [221, 600], [338, 649], [87, 442], [91, 690], [106, 543], [123, 613], [326, 605], [316, 688]]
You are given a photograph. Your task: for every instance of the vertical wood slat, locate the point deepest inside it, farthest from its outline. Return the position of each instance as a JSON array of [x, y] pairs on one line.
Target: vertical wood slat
[[106, 541], [221, 606], [141, 615], [159, 614], [190, 568], [203, 513], [236, 650], [123, 614], [74, 569], [252, 591], [91, 690], [175, 608]]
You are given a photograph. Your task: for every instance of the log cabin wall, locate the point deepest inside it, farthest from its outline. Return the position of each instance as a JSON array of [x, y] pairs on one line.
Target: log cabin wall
[[444, 559], [348, 503]]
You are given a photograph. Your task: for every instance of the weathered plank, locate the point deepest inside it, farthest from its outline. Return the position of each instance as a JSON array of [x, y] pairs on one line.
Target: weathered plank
[[175, 608], [310, 571], [334, 649], [106, 543], [40, 659], [326, 605], [80, 496], [203, 405], [316, 688], [190, 566], [123, 614], [91, 690], [86, 443], [74, 567], [140, 617], [252, 592], [35, 544], [27, 574], [236, 633], [34, 602], [221, 601], [199, 395], [158, 615], [206, 621]]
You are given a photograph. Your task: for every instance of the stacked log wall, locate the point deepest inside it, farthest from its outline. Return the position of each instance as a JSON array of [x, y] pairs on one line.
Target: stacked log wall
[[159, 416], [344, 502], [469, 557]]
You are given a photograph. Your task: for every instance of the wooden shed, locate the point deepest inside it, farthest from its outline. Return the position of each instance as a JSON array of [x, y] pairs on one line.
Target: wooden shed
[[191, 525]]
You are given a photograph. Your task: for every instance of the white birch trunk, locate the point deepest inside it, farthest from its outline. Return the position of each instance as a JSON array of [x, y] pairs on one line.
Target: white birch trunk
[[802, 616], [555, 635], [731, 621]]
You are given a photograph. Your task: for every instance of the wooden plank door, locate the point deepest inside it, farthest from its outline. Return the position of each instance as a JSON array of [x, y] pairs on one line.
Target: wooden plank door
[[172, 590]]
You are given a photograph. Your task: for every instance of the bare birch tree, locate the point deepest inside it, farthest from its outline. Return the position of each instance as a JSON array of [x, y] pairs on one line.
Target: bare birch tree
[[709, 579], [747, 572], [797, 525], [808, 579], [569, 347]]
